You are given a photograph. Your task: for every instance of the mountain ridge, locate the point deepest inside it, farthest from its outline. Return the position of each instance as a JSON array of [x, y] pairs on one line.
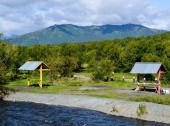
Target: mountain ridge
[[65, 33]]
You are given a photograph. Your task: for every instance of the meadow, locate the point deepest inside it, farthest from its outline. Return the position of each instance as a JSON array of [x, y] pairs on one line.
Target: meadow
[[82, 84]]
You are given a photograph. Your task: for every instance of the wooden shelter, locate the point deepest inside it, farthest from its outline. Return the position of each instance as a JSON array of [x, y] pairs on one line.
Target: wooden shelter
[[149, 68], [35, 65]]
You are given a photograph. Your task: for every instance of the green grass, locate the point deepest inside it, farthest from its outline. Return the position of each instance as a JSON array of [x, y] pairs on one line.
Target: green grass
[[112, 89], [119, 76], [72, 86], [159, 99]]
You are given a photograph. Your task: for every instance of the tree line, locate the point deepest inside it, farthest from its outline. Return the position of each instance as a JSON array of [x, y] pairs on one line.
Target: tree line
[[99, 57]]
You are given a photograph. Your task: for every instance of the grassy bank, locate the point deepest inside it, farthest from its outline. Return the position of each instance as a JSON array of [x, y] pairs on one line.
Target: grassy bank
[[159, 99], [83, 85]]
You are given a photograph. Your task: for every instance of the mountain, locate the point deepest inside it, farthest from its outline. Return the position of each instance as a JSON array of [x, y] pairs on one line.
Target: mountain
[[71, 33], [5, 37]]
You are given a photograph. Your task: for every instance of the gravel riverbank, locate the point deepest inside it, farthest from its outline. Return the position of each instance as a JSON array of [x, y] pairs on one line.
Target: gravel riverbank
[[154, 112]]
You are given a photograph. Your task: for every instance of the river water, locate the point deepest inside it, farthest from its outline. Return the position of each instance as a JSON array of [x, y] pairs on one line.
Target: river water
[[33, 114]]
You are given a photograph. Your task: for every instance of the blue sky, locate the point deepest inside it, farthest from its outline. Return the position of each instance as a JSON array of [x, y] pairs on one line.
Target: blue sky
[[22, 16], [163, 4]]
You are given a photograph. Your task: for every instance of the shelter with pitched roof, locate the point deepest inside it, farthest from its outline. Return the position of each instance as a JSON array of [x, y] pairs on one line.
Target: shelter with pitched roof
[[35, 65], [149, 68]]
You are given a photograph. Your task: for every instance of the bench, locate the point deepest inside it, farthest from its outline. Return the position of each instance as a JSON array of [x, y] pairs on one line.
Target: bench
[[144, 86]]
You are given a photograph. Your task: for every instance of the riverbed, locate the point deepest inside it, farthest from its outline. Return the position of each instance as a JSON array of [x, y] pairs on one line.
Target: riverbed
[[155, 112], [35, 114]]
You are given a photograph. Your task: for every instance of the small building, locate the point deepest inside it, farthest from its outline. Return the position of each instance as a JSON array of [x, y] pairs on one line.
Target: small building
[[149, 68], [35, 65]]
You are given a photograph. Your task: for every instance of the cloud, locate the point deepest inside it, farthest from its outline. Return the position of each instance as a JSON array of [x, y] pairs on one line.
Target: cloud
[[22, 16], [155, 18]]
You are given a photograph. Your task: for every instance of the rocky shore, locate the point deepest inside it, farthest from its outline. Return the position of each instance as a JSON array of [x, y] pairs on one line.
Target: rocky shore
[[151, 111]]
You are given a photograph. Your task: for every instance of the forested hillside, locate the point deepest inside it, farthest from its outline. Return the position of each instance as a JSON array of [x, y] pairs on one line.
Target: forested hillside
[[107, 56], [67, 33]]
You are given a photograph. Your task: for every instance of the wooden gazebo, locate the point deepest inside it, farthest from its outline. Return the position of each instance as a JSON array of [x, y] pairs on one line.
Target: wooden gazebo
[[149, 68], [35, 65]]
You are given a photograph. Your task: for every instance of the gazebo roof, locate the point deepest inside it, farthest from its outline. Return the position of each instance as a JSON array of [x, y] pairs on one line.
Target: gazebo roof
[[147, 68], [33, 65]]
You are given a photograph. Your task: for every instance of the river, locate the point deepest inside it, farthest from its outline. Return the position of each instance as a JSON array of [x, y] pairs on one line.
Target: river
[[33, 114]]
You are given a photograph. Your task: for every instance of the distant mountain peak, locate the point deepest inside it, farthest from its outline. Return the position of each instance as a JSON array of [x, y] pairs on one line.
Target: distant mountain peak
[[72, 33]]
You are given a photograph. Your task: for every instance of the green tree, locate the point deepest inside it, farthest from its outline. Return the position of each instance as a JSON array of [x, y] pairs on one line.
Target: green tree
[[149, 57], [103, 70], [3, 80], [69, 64], [64, 66], [3, 73]]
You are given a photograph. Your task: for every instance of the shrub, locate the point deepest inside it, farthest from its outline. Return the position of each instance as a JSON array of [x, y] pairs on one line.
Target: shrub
[[141, 110], [4, 91], [103, 70], [3, 73], [114, 109]]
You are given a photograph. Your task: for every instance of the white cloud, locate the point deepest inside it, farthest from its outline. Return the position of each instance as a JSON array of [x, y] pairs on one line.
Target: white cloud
[[22, 16]]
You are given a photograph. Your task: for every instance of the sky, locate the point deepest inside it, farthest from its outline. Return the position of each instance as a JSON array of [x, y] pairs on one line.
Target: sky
[[18, 17]]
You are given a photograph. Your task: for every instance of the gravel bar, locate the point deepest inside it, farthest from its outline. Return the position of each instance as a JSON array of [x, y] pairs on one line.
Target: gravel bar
[[155, 112]]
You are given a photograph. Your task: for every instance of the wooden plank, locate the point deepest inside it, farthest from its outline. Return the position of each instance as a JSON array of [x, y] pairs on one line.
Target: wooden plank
[[41, 78]]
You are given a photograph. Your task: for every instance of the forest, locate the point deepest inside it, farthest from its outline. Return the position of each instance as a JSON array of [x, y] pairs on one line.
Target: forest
[[99, 57]]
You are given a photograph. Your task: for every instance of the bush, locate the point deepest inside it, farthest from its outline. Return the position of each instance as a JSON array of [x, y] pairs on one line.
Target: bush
[[141, 110], [3, 74], [165, 78], [103, 70], [63, 67], [4, 91], [115, 109], [3, 80]]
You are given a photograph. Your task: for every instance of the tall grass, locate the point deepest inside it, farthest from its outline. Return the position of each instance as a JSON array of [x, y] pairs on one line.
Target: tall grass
[[142, 110], [159, 99]]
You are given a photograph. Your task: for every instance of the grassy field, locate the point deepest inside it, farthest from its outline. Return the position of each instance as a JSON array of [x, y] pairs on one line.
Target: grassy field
[[74, 85], [82, 84]]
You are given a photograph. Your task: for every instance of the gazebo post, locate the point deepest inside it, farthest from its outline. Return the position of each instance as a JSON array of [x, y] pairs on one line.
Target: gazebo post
[[28, 82], [40, 76], [28, 79], [137, 77], [159, 81]]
